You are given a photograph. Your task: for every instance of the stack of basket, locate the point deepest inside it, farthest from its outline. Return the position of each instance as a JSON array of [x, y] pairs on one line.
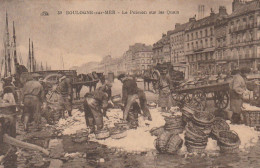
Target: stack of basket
[[187, 115], [228, 142], [168, 142], [174, 124], [203, 121], [195, 139], [218, 125]]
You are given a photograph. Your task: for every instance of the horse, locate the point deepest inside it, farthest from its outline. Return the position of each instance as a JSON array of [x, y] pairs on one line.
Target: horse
[[87, 78]]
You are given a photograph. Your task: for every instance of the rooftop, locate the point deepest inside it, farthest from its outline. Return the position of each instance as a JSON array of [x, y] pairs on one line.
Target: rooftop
[[245, 8]]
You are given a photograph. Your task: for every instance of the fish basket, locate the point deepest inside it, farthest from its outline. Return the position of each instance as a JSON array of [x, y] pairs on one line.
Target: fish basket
[[195, 149], [203, 118], [157, 131], [218, 125], [251, 118], [176, 130], [186, 116], [173, 120], [122, 125], [194, 132], [174, 144], [229, 149], [207, 130], [118, 134], [228, 138], [102, 134], [162, 141], [194, 143], [116, 99], [195, 140]]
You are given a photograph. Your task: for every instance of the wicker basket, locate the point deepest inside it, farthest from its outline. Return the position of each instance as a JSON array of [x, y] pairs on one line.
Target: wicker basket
[[118, 134], [203, 118], [195, 149], [103, 134], [122, 125], [157, 131], [229, 149], [162, 141], [174, 144], [219, 124], [191, 142], [251, 118], [176, 131], [195, 132], [186, 116], [228, 138]]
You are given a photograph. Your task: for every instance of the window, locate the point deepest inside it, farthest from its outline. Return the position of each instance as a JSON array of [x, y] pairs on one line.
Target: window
[[258, 51], [201, 44], [251, 21], [197, 45], [258, 20], [191, 36], [188, 37], [188, 45], [200, 34], [192, 46], [196, 35], [206, 32], [244, 22], [211, 31], [211, 42], [206, 42], [258, 34]]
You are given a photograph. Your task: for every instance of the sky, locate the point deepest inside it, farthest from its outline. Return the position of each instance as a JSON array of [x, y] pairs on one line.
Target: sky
[[83, 38]]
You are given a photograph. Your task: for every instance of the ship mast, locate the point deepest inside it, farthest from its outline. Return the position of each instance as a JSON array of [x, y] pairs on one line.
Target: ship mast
[[14, 46], [29, 59]]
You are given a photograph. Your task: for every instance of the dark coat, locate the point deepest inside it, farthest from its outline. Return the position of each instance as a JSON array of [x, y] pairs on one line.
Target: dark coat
[[129, 88]]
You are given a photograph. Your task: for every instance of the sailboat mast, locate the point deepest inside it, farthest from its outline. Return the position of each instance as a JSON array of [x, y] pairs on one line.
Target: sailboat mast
[[8, 46], [14, 46], [29, 60], [33, 61]]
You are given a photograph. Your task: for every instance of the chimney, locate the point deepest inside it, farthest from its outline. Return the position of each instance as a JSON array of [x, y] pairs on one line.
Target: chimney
[[222, 10], [212, 12], [192, 19], [177, 25], [237, 4]]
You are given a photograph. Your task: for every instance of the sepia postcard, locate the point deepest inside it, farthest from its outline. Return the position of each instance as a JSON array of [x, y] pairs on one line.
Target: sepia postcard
[[129, 83]]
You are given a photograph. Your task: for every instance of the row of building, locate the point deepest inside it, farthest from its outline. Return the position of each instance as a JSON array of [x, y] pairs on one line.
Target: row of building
[[218, 42]]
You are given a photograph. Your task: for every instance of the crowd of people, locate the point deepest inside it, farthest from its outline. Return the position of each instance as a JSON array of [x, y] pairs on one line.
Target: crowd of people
[[97, 102]]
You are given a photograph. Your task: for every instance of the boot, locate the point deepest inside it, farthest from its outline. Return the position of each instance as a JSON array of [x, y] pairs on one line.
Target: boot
[[235, 118]]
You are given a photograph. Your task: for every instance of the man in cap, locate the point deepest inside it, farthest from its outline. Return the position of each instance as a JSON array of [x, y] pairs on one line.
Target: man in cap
[[33, 97], [130, 92], [238, 89], [95, 105], [64, 89]]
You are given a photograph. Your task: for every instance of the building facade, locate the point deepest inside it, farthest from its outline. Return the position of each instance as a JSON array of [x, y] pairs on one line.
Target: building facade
[[162, 49], [200, 44], [244, 35], [177, 42]]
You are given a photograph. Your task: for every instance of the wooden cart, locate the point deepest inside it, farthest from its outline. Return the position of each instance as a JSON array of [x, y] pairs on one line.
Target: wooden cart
[[197, 96]]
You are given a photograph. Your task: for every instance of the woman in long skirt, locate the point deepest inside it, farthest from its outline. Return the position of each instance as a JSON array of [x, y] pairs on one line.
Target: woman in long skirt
[[164, 91]]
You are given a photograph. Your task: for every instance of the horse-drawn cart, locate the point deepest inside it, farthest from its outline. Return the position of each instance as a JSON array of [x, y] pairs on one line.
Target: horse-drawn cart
[[197, 96]]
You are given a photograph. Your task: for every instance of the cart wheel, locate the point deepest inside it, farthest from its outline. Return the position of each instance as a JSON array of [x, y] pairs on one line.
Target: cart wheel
[[221, 99], [199, 100]]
